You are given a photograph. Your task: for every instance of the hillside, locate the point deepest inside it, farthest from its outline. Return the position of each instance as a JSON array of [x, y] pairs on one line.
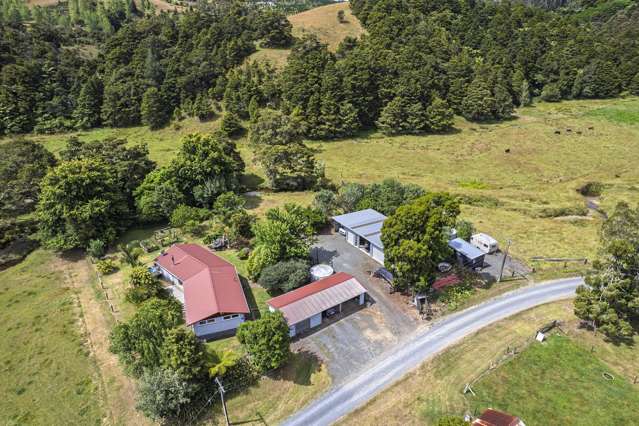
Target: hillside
[[519, 179], [322, 22]]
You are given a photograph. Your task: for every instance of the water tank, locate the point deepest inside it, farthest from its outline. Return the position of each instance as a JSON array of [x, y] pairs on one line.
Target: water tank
[[321, 271]]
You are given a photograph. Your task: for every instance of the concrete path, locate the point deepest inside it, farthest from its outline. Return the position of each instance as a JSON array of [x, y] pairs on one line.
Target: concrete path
[[393, 365]]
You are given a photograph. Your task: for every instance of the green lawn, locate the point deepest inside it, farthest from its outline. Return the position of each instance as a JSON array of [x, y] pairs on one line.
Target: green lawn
[[508, 173], [559, 383], [48, 376]]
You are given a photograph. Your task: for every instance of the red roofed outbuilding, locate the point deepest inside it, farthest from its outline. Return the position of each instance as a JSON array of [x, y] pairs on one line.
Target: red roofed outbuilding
[[492, 417], [214, 300], [305, 307]]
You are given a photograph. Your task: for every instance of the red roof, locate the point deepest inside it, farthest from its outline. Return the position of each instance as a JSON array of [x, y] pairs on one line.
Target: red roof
[[309, 289], [446, 281], [492, 417], [211, 284]]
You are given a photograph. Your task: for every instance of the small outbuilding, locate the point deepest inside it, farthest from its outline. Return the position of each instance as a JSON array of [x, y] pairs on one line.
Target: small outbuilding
[[492, 417], [467, 254], [363, 229], [306, 307]]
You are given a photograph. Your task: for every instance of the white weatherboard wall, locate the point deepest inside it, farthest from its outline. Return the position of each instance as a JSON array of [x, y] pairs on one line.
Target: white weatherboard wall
[[377, 253], [218, 324], [351, 237]]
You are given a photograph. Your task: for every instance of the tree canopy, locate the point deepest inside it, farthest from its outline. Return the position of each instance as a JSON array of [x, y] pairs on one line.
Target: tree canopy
[[23, 165], [266, 340], [610, 299], [415, 239]]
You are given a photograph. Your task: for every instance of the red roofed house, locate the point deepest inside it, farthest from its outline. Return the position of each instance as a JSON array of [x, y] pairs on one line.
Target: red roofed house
[[214, 301], [492, 417], [305, 307]]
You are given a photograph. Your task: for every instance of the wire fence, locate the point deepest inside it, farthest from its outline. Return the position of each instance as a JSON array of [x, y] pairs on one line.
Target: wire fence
[[105, 291]]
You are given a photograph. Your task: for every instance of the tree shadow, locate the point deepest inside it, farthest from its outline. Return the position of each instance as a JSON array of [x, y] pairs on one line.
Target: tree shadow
[[250, 298], [251, 181], [321, 255], [299, 369], [253, 200]]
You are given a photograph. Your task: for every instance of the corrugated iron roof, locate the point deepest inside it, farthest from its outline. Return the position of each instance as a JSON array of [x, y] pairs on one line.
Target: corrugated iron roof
[[211, 284], [492, 417], [314, 298], [359, 218], [365, 223], [465, 248]]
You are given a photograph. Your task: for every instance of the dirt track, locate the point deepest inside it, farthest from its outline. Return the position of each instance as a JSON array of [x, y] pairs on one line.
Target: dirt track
[[118, 389]]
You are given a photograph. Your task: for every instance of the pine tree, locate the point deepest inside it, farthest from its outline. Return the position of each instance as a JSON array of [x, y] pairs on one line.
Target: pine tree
[[402, 116], [478, 105], [152, 109], [253, 109], [503, 102], [525, 98], [87, 111], [633, 88], [440, 116]]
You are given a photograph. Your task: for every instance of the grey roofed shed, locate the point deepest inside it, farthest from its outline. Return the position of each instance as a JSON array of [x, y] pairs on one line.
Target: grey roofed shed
[[364, 225], [467, 253]]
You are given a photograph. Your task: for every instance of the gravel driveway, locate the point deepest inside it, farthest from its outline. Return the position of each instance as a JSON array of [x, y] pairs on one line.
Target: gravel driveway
[[349, 343]]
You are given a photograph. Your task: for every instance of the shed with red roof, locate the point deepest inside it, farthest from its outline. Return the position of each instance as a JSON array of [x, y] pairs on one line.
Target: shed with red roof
[[214, 300], [305, 307]]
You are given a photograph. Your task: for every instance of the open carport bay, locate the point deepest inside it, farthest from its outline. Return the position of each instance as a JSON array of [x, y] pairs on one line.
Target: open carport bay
[[351, 339]]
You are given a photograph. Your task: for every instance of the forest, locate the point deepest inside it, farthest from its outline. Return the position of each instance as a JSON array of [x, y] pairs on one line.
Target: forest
[[81, 64]]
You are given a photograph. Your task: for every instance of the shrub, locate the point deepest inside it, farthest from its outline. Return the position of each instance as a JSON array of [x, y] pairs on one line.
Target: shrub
[[217, 230], [591, 189], [164, 395], [106, 266], [243, 253], [563, 211], [551, 93], [183, 353], [184, 214], [284, 276], [231, 125], [241, 225], [143, 286], [465, 229], [266, 341], [96, 248], [451, 421]]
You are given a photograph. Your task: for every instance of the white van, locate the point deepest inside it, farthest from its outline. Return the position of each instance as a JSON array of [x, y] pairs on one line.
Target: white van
[[484, 242]]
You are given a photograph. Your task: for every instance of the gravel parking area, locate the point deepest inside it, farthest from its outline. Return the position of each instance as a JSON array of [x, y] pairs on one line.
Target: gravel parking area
[[512, 268], [349, 342]]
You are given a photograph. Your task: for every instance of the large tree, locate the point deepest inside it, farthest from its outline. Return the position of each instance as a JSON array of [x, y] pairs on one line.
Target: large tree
[[266, 340], [130, 164], [286, 233], [610, 299], [415, 239], [23, 164], [81, 200], [138, 342], [205, 167]]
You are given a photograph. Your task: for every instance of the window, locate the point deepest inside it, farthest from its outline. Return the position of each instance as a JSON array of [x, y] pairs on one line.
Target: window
[[202, 322], [210, 320], [234, 316], [227, 317]]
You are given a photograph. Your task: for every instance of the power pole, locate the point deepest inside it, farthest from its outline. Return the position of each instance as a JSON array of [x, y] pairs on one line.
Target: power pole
[[503, 261], [222, 391]]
